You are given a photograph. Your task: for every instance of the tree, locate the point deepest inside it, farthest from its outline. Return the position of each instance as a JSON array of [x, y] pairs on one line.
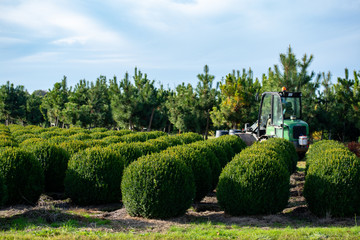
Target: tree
[[123, 102], [54, 102], [33, 113], [238, 100], [182, 106], [207, 98], [99, 104], [77, 110], [12, 103], [347, 97]]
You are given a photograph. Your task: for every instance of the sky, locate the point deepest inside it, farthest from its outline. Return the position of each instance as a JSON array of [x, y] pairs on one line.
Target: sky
[[171, 40]]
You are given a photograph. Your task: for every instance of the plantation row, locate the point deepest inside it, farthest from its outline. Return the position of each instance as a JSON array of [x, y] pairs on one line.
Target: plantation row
[[160, 176]]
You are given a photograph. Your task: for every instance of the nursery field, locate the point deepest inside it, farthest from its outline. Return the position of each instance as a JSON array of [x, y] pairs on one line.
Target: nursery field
[[92, 184]]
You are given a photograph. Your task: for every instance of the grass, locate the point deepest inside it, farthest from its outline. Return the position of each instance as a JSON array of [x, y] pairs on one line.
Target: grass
[[208, 230]]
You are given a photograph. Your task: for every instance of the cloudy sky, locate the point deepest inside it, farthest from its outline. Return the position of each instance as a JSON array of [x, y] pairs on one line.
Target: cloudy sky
[[170, 40]]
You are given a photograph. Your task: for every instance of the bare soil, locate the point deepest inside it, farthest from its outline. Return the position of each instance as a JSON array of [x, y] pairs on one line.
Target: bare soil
[[52, 208]]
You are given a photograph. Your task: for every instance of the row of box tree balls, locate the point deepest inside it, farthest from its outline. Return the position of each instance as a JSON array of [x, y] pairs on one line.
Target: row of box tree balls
[[159, 176]]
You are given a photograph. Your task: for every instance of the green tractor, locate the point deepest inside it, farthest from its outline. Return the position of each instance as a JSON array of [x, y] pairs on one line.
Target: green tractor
[[279, 116]]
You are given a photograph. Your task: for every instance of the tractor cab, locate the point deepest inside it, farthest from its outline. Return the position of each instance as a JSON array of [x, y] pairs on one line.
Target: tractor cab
[[280, 116]]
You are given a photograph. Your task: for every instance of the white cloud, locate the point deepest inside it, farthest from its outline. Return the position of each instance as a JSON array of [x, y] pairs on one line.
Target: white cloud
[[56, 20]]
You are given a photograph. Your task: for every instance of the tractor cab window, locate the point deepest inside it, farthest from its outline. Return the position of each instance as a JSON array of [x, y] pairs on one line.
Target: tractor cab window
[[265, 111], [291, 107]]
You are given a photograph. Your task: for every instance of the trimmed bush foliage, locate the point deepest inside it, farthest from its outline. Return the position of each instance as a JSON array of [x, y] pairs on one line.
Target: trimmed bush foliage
[[253, 184], [73, 146], [80, 136], [129, 151], [208, 154], [24, 137], [31, 141], [7, 141], [332, 183], [227, 149], [94, 176], [141, 136], [23, 176], [196, 160], [317, 149], [3, 190], [157, 186], [288, 149], [53, 160], [58, 139], [190, 137]]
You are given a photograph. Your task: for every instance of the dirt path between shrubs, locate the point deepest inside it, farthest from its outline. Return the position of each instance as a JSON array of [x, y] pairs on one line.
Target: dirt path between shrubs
[[113, 217]]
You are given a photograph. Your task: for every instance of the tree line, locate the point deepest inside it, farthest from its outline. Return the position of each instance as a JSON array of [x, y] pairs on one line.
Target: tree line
[[332, 109]]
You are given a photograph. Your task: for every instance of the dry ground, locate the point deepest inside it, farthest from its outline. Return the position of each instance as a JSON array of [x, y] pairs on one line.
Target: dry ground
[[53, 209]]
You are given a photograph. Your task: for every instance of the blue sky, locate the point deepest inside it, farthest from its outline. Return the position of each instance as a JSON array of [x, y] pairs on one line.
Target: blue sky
[[170, 40]]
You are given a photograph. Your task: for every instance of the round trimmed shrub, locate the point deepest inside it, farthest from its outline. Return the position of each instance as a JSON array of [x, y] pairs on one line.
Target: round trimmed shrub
[[3, 190], [317, 149], [23, 176], [218, 151], [49, 134], [288, 149], [58, 139], [145, 147], [53, 160], [99, 135], [24, 137], [196, 160], [235, 142], [94, 176], [18, 133], [227, 149], [7, 141], [120, 133], [80, 136], [73, 146], [95, 143], [31, 141], [208, 154], [190, 137], [253, 184], [157, 186], [129, 151], [99, 129], [111, 139], [160, 144], [332, 184]]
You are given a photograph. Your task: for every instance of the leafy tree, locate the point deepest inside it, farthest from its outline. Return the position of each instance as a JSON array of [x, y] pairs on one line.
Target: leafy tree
[[347, 97], [207, 98], [182, 105], [99, 104], [123, 102], [54, 102], [238, 100], [12, 103], [33, 113], [77, 110]]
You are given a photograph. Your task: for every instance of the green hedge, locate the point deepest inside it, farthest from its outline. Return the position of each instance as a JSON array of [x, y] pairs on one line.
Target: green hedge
[[317, 149], [7, 141], [253, 184], [332, 182], [94, 176], [141, 136], [3, 190], [157, 186], [80, 136], [196, 160], [73, 146], [129, 151], [30, 141], [209, 155], [26, 136], [58, 139], [22, 174], [226, 146], [54, 161]]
